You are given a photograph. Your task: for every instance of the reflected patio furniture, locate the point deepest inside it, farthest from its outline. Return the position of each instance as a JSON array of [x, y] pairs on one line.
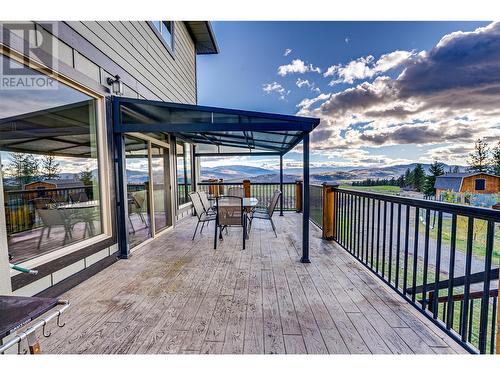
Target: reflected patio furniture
[[267, 214], [52, 217], [236, 191], [86, 212], [205, 202], [135, 206], [230, 213], [80, 196], [201, 213]]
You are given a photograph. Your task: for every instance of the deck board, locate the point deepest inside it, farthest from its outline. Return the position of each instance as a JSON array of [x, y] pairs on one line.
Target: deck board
[[181, 296]]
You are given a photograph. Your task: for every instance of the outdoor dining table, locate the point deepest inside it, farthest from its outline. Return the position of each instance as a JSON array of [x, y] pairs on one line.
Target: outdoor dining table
[[248, 203], [89, 219]]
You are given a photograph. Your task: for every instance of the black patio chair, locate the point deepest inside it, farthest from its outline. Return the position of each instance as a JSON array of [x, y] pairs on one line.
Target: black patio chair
[[201, 214], [230, 213], [267, 213]]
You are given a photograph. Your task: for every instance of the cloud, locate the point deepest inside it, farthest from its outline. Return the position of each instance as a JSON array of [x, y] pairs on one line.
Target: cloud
[[446, 95], [287, 52], [297, 66], [275, 87], [305, 83], [367, 67], [305, 104]]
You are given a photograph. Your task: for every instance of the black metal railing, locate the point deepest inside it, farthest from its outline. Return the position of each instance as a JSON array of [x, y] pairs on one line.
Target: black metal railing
[[263, 191], [442, 258], [316, 204]]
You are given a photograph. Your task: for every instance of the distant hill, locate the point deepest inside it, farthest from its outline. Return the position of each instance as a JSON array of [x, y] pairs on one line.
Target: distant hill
[[234, 173]]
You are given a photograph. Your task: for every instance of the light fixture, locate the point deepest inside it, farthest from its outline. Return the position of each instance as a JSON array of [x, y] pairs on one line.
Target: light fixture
[[116, 85]]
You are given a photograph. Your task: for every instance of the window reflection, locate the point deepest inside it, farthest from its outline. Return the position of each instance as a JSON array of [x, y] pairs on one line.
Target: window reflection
[[49, 167], [183, 172]]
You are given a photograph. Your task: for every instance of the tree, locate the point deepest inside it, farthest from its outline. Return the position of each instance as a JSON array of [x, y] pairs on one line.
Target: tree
[[23, 167], [456, 169], [495, 159], [86, 177], [50, 167], [478, 159], [418, 177], [408, 178], [436, 169]]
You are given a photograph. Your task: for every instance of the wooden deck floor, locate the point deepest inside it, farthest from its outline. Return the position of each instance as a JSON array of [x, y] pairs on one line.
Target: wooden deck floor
[[180, 296]]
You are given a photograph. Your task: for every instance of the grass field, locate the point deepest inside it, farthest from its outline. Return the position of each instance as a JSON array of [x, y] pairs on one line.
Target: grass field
[[375, 189]]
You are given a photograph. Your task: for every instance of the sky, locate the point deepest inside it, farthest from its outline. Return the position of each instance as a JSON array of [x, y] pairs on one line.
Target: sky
[[387, 93]]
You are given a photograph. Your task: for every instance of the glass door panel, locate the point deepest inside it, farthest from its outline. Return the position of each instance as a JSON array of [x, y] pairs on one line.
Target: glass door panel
[[138, 190], [161, 187]]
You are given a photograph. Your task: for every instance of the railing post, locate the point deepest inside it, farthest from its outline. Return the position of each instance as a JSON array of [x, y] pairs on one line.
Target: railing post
[[246, 188], [220, 187], [298, 195], [329, 214]]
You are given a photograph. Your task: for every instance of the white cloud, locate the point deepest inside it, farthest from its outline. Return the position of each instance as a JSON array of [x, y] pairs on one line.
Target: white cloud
[[297, 66], [305, 104], [305, 83], [367, 67], [275, 87], [287, 52]]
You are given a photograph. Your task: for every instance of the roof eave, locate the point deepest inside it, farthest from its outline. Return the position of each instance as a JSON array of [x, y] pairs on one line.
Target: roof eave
[[202, 46]]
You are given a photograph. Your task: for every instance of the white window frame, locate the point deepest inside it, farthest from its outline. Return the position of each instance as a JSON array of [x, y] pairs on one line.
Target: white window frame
[[169, 46], [103, 163]]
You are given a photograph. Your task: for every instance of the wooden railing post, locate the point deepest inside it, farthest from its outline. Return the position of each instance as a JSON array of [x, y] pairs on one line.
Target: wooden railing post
[[329, 214], [298, 195], [246, 188], [220, 187]]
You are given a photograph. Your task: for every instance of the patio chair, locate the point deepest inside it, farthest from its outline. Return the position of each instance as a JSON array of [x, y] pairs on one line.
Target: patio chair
[[201, 214], [78, 197], [267, 214], [236, 191], [230, 213], [52, 217], [205, 202]]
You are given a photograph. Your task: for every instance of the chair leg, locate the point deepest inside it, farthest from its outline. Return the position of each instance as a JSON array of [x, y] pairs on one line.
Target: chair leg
[[244, 232], [195, 229], [40, 239], [202, 226], [215, 237], [274, 228]]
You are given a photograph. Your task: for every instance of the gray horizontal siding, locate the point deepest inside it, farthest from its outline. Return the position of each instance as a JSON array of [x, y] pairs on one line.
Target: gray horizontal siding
[[137, 49]]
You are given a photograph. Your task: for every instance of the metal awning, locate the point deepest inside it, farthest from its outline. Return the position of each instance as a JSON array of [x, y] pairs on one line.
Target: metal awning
[[221, 131], [215, 131]]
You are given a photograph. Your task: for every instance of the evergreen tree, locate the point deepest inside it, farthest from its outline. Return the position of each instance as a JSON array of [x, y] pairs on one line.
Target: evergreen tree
[[436, 169], [418, 177], [408, 178], [50, 167], [86, 177], [23, 167], [456, 169], [478, 159], [495, 159]]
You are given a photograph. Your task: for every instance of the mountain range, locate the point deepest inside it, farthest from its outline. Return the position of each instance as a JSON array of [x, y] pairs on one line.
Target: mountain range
[[234, 173]]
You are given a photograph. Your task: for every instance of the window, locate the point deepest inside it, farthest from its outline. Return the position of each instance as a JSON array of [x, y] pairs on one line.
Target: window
[[183, 160], [49, 161], [165, 29], [480, 184]]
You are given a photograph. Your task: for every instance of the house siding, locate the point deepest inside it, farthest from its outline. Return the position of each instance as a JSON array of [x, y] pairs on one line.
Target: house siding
[[136, 48], [492, 184]]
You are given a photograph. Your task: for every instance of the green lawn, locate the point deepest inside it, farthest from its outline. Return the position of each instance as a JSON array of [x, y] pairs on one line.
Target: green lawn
[[384, 189]]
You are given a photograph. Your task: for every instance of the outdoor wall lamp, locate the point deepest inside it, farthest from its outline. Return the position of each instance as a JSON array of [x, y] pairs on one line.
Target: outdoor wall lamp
[[116, 85]]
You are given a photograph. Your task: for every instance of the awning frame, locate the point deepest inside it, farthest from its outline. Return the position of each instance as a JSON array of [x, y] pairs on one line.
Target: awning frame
[[203, 134]]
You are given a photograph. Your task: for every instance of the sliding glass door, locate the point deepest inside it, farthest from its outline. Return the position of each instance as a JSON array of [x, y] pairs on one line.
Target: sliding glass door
[[148, 187], [161, 187]]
